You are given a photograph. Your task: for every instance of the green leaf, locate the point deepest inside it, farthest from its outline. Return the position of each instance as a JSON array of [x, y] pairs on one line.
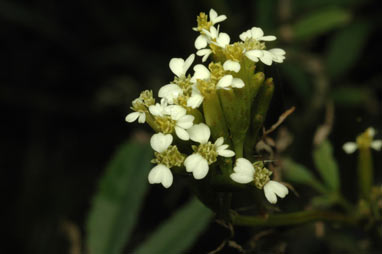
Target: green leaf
[[324, 201], [346, 47], [320, 22], [297, 173], [326, 165], [119, 198], [179, 232]]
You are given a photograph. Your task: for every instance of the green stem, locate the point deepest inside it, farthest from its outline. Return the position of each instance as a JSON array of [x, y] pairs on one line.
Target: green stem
[[365, 172], [287, 219]]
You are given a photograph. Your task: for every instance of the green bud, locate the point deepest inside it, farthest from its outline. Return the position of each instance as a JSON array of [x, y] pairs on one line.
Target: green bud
[[259, 111]]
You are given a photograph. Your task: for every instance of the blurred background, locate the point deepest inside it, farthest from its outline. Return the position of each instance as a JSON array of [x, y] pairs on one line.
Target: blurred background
[[70, 69]]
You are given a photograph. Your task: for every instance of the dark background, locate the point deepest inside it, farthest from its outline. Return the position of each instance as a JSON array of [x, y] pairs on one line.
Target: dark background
[[70, 69]]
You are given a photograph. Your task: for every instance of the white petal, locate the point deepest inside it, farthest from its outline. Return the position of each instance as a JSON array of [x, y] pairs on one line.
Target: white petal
[[266, 58], [199, 133], [223, 40], [196, 164], [205, 53], [257, 33], [225, 82], [176, 111], [201, 72], [376, 145], [226, 153], [170, 92], [188, 63], [277, 51], [277, 54], [176, 66], [142, 118], [201, 42], [132, 117], [161, 174], [244, 167], [280, 189], [245, 35], [268, 38], [167, 178], [237, 83], [240, 178], [273, 188], [155, 175], [160, 142], [371, 131], [270, 195], [219, 141], [182, 133], [349, 147], [213, 14], [195, 100], [156, 110], [212, 33], [214, 18], [185, 121], [254, 54], [230, 65]]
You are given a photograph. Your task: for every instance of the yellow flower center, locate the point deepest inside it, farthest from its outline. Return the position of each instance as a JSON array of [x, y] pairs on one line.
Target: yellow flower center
[[170, 158], [207, 151]]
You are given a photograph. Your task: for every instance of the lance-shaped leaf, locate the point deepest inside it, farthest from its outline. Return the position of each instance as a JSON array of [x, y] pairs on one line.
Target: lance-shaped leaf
[[346, 47], [326, 165], [118, 200], [320, 22], [179, 232], [297, 173]]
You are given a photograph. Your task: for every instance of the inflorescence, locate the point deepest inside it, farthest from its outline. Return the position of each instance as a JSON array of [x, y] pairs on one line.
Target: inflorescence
[[210, 111]]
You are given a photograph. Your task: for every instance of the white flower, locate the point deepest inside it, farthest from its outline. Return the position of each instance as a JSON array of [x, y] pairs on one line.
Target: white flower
[[179, 66], [272, 189], [203, 39], [170, 92], [159, 109], [200, 72], [351, 147], [256, 33], [197, 163], [141, 116], [222, 40], [278, 55], [215, 18], [226, 82], [244, 172], [176, 118], [255, 54], [160, 173], [266, 56]]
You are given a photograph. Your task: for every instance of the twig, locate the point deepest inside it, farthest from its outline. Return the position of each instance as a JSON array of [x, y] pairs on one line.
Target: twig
[[280, 120], [287, 219]]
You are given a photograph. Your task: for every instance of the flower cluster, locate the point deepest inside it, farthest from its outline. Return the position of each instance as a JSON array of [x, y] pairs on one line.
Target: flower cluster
[[200, 116], [364, 140]]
